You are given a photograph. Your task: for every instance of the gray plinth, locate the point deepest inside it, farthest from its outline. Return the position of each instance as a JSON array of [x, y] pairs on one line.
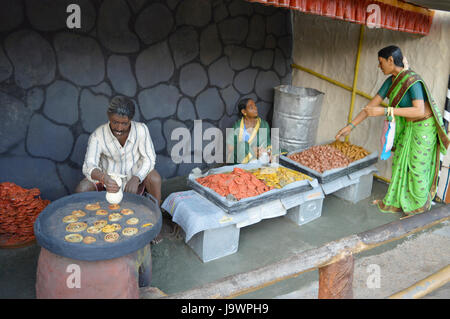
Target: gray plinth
[[215, 243], [357, 192], [305, 212]]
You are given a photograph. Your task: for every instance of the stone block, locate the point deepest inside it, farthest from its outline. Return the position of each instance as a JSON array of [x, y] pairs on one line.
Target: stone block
[[102, 88], [79, 151], [121, 75], [220, 73], [159, 102], [209, 105], [257, 32], [193, 79], [239, 57], [80, 59], [165, 166], [233, 30], [154, 65], [265, 82], [113, 27], [5, 66], [244, 81], [210, 45], [280, 63], [30, 69], [93, 110], [154, 23], [194, 12], [238, 8], [231, 98], [35, 98], [15, 119], [276, 23], [155, 130], [70, 176], [61, 104], [11, 15], [186, 110], [263, 59], [48, 140], [184, 44]]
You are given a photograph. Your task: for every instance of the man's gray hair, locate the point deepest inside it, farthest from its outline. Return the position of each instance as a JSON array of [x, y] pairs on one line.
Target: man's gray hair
[[121, 105]]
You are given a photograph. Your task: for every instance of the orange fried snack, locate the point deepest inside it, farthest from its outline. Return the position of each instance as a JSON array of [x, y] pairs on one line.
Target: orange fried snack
[[239, 183]]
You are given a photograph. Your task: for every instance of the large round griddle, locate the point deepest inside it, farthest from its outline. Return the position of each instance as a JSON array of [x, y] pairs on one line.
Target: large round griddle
[[50, 230]]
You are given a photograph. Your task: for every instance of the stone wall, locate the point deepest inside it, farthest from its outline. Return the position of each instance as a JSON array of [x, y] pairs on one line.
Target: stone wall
[[178, 60]]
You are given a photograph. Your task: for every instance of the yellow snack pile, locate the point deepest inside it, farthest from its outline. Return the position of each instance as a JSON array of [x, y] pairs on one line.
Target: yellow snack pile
[[352, 152], [278, 177]]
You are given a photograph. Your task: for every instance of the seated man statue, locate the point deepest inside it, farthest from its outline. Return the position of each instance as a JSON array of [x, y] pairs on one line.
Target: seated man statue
[[121, 147]]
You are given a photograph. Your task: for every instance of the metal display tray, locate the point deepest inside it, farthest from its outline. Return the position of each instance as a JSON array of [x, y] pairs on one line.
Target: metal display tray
[[332, 174], [233, 207]]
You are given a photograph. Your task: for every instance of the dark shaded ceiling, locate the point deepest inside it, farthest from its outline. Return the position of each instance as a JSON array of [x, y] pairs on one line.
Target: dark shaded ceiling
[[432, 4]]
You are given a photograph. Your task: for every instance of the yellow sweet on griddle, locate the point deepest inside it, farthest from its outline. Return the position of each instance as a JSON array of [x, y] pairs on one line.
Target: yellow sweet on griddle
[[73, 238]]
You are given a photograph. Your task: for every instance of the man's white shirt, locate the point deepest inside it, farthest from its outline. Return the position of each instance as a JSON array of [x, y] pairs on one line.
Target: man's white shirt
[[136, 158]]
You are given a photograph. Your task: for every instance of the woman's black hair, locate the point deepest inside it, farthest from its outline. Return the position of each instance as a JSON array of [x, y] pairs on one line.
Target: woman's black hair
[[394, 52], [122, 106], [242, 104]]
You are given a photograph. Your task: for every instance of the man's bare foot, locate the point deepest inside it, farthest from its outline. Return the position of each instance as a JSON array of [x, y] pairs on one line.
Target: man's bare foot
[[157, 240]]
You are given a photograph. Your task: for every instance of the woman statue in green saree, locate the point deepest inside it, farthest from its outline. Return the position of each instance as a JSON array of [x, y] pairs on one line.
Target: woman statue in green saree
[[419, 135], [250, 136]]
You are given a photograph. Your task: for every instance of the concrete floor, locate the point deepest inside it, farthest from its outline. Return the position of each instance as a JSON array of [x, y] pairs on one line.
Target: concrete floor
[[177, 268]]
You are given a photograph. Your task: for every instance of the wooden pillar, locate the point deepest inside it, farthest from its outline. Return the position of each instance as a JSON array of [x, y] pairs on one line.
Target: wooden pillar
[[336, 280]]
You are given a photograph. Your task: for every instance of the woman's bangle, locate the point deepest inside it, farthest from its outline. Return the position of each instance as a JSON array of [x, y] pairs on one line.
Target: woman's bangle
[[352, 125]]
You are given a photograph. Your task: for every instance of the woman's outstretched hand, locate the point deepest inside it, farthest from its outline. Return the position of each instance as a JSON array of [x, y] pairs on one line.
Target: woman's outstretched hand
[[343, 132]]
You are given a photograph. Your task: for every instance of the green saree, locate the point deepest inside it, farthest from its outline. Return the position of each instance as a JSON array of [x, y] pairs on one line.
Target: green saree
[[415, 165], [243, 150]]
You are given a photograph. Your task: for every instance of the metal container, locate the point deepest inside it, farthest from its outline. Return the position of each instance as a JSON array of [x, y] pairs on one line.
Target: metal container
[[296, 114], [332, 174], [233, 207]]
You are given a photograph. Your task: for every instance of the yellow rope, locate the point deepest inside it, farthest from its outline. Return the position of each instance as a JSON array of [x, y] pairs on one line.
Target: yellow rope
[[328, 79]]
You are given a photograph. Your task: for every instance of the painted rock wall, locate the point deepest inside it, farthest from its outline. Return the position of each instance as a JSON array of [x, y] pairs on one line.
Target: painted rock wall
[[178, 60]]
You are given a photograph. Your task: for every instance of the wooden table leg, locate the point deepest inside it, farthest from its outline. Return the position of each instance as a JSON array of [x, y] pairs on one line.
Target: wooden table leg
[[336, 280]]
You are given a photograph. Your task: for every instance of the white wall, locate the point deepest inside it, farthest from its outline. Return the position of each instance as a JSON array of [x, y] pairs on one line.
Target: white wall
[[329, 47]]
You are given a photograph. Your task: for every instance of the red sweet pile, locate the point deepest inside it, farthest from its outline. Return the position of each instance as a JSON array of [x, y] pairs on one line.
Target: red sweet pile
[[239, 183], [19, 208]]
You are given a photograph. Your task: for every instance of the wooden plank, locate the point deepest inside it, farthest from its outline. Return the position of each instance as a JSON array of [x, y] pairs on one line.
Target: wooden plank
[[336, 280]]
